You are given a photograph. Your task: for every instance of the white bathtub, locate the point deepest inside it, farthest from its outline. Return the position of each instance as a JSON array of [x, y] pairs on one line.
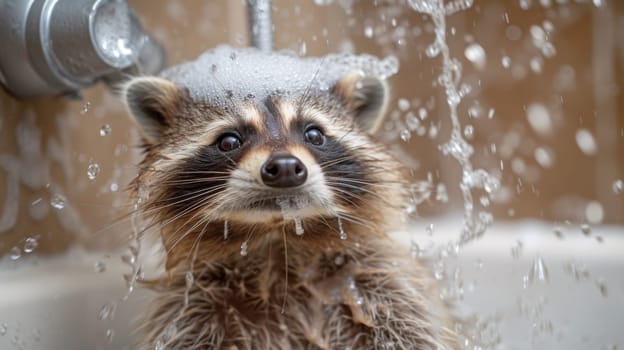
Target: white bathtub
[[54, 303]]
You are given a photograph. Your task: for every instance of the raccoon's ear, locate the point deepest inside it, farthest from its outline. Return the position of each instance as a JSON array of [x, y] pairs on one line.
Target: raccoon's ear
[[366, 97], [152, 102]]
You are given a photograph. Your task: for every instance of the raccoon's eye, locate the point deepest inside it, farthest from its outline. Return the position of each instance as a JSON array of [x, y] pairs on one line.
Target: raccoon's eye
[[228, 142], [314, 136]]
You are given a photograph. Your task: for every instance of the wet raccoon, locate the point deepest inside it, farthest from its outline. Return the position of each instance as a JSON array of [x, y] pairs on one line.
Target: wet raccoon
[[274, 212]]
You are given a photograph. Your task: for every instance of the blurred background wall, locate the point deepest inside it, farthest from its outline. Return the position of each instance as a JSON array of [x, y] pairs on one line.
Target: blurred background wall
[[546, 110]]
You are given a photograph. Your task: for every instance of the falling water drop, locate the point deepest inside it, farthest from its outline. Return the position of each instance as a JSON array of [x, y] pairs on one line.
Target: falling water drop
[[506, 61], [226, 229], [429, 229], [404, 104], [30, 245], [159, 345], [85, 108], [57, 201], [343, 235], [243, 248], [189, 279], [110, 334], [538, 271], [586, 142], [15, 253], [298, 226], [475, 54], [107, 311], [93, 170], [3, 329], [405, 135], [415, 249], [99, 266], [105, 130], [586, 229]]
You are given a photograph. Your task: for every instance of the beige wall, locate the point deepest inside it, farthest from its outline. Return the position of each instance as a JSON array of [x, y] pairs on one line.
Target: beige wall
[[70, 136]]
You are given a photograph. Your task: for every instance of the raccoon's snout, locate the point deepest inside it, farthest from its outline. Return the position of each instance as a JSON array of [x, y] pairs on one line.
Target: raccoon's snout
[[283, 170]]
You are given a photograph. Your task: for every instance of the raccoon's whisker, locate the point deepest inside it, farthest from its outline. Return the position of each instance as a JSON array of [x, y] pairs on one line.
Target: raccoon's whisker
[[285, 269], [357, 220], [185, 234], [304, 97], [194, 181], [386, 184], [185, 197]]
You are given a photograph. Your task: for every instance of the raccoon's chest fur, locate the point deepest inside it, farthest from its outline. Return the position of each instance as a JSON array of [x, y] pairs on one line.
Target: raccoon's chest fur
[[371, 298]]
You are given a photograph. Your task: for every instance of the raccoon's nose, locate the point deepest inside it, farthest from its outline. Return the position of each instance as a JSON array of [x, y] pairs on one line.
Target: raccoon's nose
[[283, 170]]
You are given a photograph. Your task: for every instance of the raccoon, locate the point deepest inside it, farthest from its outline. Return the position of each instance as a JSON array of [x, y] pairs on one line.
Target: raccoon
[[274, 210]]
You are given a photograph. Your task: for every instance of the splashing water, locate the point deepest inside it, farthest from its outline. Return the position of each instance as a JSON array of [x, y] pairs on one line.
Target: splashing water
[[474, 224], [538, 272]]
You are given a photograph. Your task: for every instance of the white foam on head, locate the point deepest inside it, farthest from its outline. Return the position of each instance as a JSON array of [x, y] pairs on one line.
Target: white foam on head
[[225, 73]]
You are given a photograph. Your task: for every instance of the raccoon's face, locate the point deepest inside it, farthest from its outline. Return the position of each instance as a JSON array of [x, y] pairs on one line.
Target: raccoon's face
[[263, 161]]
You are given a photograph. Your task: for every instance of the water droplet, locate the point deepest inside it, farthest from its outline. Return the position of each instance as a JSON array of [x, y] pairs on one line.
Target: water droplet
[[506, 61], [586, 229], [544, 157], [243, 248], [92, 171], [114, 187], [585, 141], [429, 229], [405, 135], [30, 244], [602, 287], [469, 131], [441, 193], [411, 121], [618, 186], [339, 260], [369, 31], [99, 266], [3, 329], [107, 311], [226, 229], [415, 249], [85, 108], [594, 212], [516, 250], [422, 113], [491, 112], [538, 271], [105, 130], [110, 334], [475, 54], [57, 201], [433, 50], [159, 345], [298, 226], [558, 231], [190, 279], [15, 253], [539, 119], [404, 104], [343, 235], [170, 331], [129, 259], [303, 48]]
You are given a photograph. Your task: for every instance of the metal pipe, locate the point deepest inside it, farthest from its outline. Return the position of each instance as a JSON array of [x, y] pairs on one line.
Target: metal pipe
[[260, 24], [61, 46]]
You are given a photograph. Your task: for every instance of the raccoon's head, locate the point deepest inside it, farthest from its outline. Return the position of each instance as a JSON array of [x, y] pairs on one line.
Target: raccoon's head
[[259, 165]]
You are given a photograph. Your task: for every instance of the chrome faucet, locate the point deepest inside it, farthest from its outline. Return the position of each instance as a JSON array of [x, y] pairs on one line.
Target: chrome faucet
[[53, 47]]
